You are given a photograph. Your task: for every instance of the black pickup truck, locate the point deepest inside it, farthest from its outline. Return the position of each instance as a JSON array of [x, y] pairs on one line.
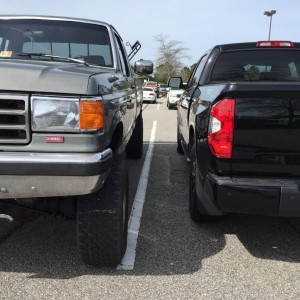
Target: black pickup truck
[[70, 108], [239, 127]]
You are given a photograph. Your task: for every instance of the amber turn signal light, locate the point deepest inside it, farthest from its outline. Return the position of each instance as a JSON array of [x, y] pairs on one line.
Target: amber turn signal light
[[91, 115]]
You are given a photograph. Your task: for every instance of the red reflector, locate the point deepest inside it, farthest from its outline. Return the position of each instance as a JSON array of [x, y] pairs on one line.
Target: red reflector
[[220, 131], [54, 139], [270, 44]]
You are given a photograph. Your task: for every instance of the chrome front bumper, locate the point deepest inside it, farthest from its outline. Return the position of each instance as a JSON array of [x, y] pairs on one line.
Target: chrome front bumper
[[29, 175]]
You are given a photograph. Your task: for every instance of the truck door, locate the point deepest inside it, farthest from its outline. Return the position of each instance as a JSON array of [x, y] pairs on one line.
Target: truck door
[[187, 98], [128, 86]]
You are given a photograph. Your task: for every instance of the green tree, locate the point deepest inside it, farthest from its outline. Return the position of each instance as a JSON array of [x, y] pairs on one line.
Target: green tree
[[170, 54], [253, 73], [192, 67], [186, 72]]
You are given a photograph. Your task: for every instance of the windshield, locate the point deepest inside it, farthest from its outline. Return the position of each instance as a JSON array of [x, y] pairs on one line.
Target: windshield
[[87, 42], [257, 65]]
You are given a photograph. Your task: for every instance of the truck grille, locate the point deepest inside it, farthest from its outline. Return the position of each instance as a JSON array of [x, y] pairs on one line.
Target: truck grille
[[14, 120]]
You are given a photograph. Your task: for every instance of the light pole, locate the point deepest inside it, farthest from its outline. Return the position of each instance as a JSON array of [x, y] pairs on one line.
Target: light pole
[[270, 13]]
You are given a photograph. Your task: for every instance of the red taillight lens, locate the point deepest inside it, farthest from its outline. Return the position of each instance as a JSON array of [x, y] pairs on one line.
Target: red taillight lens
[[151, 94], [220, 131], [274, 44]]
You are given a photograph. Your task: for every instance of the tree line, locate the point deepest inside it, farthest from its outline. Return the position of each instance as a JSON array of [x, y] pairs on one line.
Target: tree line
[[170, 54]]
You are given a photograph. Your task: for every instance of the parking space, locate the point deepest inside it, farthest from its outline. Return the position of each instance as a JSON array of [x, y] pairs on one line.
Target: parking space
[[236, 257]]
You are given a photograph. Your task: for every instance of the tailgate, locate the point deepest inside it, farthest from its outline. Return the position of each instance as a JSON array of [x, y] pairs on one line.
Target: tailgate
[[267, 130]]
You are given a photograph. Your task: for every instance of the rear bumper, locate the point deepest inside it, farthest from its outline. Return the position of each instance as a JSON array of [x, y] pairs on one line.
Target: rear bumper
[[148, 99], [173, 100], [260, 196], [29, 175]]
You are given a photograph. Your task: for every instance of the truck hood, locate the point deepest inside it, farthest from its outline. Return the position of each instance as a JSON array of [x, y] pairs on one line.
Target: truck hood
[[46, 77]]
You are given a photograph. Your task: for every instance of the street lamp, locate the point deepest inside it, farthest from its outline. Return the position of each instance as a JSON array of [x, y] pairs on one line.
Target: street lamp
[[270, 13]]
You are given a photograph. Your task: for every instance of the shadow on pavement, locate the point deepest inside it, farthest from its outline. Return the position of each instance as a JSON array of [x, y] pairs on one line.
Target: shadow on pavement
[[267, 237], [169, 242]]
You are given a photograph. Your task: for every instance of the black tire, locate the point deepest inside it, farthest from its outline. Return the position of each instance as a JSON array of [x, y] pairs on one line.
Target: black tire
[[179, 146], [134, 148], [194, 212], [102, 219]]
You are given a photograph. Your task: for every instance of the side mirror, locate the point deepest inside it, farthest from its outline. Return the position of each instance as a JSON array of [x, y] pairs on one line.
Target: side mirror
[[175, 82], [143, 67]]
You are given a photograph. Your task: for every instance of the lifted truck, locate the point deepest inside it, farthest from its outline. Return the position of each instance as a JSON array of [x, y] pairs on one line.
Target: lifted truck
[[70, 107], [239, 126]]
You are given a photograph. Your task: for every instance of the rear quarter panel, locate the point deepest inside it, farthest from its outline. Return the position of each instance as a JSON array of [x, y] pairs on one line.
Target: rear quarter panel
[[207, 96]]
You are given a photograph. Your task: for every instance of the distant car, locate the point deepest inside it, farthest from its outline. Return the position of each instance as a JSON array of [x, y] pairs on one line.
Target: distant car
[[154, 85], [149, 94], [163, 90], [173, 97]]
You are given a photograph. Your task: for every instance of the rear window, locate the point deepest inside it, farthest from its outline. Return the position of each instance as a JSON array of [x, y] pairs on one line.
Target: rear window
[[148, 90], [89, 42], [257, 65]]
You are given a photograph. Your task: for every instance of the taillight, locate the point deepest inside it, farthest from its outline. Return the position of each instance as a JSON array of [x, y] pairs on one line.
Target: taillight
[[275, 44], [151, 94], [220, 131]]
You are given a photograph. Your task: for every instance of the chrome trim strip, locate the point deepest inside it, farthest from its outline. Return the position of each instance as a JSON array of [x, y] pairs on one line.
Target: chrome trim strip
[[26, 157]]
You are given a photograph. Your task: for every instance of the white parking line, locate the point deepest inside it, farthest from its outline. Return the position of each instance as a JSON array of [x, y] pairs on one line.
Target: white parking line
[[134, 223], [158, 106]]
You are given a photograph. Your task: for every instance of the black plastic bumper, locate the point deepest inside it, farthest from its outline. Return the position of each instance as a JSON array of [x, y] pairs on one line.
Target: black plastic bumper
[[260, 196]]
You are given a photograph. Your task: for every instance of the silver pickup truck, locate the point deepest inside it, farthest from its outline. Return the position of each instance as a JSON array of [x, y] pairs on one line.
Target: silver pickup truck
[[70, 109]]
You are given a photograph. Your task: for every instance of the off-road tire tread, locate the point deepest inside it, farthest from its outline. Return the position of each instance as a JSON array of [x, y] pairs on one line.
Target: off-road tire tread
[[134, 148], [100, 233]]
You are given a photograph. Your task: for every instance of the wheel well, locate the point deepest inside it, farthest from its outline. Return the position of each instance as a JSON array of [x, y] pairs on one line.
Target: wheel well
[[117, 137]]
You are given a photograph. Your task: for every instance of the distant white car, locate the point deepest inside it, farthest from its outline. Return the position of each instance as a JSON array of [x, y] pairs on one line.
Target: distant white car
[[173, 97], [149, 94], [163, 90]]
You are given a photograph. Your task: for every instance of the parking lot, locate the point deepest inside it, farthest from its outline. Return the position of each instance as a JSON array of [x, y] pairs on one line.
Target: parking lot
[[236, 257]]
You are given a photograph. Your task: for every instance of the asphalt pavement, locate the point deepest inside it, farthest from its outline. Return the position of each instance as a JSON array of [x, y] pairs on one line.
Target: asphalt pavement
[[235, 257]]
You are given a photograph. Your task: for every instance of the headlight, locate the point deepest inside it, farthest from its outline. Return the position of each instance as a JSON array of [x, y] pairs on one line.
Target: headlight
[[67, 114], [55, 114]]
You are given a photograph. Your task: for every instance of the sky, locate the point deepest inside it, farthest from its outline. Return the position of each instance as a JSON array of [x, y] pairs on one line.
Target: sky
[[197, 24]]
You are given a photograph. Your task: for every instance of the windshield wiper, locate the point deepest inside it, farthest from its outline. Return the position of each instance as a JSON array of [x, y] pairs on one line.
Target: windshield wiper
[[29, 54]]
